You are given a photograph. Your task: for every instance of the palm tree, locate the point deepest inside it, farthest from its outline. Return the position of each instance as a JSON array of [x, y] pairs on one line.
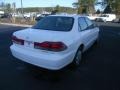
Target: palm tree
[[75, 4], [114, 5], [91, 6], [85, 6]]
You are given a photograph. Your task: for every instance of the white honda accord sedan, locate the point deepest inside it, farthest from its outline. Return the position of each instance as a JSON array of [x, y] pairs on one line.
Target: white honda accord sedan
[[55, 41]]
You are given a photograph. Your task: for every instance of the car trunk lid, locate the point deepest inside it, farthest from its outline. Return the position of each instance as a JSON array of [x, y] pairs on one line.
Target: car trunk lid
[[30, 36]]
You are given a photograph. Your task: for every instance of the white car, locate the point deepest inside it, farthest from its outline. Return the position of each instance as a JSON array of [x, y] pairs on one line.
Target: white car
[[27, 15], [92, 17], [106, 17], [55, 41]]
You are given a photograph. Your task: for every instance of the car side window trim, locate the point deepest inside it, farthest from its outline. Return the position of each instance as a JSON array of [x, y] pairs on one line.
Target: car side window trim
[[79, 27], [89, 26]]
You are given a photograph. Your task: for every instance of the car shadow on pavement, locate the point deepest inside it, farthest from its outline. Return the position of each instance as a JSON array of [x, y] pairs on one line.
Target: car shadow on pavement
[[60, 75]]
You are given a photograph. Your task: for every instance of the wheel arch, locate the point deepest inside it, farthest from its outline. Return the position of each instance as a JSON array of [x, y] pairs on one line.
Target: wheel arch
[[81, 47]]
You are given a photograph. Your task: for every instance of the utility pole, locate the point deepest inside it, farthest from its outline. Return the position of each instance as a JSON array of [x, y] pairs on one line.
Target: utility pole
[[4, 5], [22, 8], [14, 11]]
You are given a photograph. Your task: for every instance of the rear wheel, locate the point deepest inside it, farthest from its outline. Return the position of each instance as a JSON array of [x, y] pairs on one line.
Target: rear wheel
[[78, 58]]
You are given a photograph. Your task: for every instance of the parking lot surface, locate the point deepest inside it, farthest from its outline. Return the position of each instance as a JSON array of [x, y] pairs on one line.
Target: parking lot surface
[[99, 71]]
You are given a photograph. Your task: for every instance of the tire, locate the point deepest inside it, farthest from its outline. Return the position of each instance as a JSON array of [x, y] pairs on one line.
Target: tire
[[78, 58], [97, 41]]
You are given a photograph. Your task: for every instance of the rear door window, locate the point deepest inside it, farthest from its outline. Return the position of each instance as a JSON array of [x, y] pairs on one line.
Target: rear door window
[[82, 24], [88, 22]]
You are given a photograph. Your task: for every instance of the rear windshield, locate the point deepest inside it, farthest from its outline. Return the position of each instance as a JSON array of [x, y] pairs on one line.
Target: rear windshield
[[55, 23]]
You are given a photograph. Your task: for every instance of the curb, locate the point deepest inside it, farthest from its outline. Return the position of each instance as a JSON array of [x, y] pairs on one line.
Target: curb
[[20, 25]]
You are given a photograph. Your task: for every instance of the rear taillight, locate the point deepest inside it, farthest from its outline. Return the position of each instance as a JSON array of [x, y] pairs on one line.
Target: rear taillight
[[50, 46], [17, 40]]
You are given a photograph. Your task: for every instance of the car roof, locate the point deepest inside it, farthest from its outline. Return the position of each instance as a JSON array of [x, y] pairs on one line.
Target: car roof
[[69, 15]]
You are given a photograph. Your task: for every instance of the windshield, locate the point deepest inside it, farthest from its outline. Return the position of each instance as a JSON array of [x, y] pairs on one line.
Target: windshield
[[55, 23]]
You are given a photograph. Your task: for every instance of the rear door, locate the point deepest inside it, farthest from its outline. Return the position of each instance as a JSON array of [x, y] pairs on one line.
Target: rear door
[[93, 30], [84, 31]]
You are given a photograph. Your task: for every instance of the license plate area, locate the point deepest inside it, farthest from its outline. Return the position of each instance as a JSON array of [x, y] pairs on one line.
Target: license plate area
[[29, 44]]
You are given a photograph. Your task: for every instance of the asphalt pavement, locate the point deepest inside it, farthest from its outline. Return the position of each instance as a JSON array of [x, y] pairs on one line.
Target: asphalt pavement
[[99, 71]]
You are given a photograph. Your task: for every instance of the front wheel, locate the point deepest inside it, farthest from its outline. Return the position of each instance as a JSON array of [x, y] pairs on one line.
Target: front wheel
[[78, 58]]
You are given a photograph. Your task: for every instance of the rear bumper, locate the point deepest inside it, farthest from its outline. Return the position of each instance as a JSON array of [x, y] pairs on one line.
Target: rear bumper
[[44, 60]]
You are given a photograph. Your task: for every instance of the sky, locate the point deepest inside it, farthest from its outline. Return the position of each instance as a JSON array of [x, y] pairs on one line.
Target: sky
[[41, 3]]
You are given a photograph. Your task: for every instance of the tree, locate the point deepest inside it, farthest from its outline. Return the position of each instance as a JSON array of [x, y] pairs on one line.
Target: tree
[[2, 5], [14, 7], [8, 8], [90, 6], [47, 9], [85, 6], [54, 12], [114, 5], [79, 6], [57, 8], [76, 5]]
